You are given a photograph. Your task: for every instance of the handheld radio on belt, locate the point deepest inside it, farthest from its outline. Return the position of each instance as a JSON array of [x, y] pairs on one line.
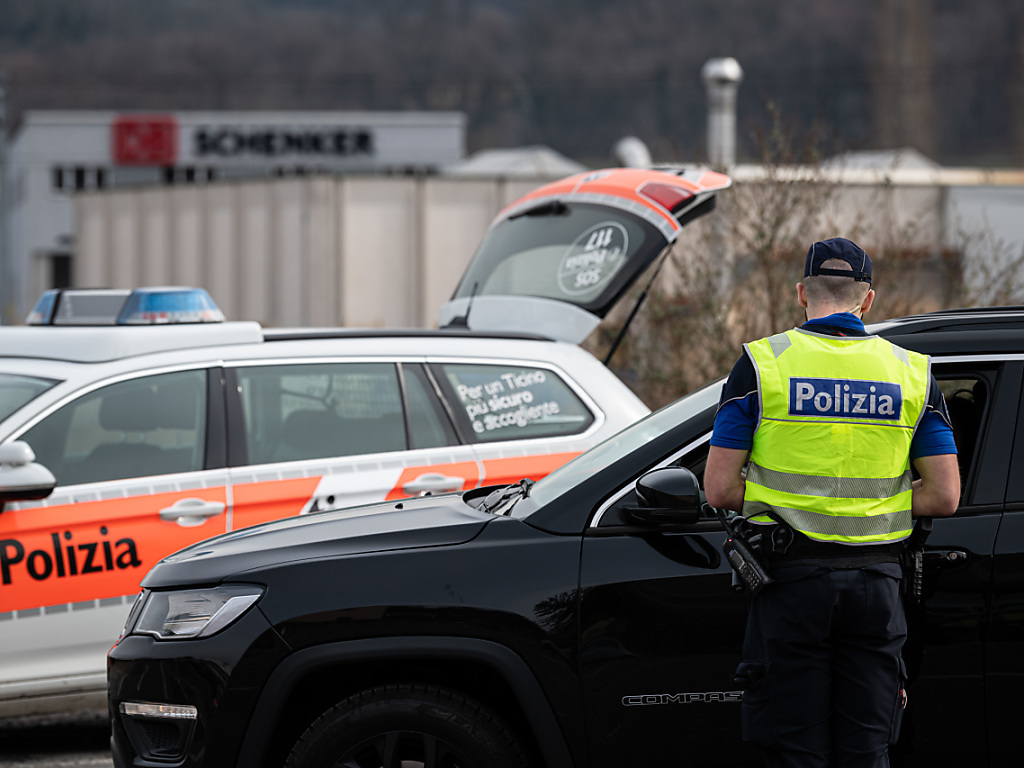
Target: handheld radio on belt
[[913, 561], [748, 569]]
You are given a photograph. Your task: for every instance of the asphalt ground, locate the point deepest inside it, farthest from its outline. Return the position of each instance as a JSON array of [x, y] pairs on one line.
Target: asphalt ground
[[79, 740]]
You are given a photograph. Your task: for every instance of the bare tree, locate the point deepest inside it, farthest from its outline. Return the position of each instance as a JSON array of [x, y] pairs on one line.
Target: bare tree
[[695, 320]]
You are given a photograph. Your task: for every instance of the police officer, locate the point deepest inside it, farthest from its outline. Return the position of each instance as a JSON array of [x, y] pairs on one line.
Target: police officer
[[813, 442]]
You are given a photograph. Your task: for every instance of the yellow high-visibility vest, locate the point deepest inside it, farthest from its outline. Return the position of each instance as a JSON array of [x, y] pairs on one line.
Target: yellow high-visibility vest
[[831, 453]]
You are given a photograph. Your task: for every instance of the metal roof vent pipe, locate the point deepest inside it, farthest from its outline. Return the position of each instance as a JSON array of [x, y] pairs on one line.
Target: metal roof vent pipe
[[722, 79], [631, 152]]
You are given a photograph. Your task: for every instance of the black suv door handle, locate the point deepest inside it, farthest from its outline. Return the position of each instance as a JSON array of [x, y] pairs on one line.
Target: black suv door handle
[[945, 556]]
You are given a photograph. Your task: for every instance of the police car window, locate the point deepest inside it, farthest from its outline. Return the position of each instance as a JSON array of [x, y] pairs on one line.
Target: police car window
[[429, 427], [316, 411], [16, 391], [497, 402], [572, 254], [154, 425]]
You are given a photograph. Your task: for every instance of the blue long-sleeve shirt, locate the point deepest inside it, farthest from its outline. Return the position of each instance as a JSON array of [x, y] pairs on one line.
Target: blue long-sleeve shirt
[[739, 407]]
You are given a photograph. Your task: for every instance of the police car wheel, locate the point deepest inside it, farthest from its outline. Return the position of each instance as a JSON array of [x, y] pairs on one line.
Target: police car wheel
[[413, 726]]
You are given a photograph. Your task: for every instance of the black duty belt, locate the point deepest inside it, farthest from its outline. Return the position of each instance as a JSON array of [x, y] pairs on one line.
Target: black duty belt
[[804, 550]]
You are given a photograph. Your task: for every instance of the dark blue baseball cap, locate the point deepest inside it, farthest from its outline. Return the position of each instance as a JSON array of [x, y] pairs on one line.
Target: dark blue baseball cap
[[838, 248]]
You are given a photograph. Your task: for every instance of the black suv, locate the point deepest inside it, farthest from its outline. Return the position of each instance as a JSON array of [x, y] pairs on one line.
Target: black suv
[[561, 623]]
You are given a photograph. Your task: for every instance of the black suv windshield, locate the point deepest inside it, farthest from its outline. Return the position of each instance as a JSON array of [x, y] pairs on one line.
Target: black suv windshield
[[16, 391], [620, 445]]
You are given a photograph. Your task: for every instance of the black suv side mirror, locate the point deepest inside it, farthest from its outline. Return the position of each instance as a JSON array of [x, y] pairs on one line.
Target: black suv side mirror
[[667, 496], [21, 478]]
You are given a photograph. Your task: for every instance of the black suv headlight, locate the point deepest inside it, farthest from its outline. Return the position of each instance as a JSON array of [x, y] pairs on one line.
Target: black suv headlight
[[191, 613]]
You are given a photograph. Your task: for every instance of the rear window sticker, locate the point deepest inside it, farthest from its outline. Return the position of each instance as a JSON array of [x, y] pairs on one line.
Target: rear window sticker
[[593, 258]]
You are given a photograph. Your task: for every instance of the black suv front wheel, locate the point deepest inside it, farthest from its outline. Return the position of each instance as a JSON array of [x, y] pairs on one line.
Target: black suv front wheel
[[406, 726]]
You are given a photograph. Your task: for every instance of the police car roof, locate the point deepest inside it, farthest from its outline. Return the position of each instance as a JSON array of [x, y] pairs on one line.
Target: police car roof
[[92, 344], [293, 334], [94, 325], [96, 344]]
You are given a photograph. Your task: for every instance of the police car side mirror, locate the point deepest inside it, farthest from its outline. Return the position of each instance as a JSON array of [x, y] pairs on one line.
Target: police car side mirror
[[667, 496], [21, 478]]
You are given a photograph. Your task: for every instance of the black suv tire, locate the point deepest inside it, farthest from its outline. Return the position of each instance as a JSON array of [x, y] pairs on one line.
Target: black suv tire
[[407, 724]]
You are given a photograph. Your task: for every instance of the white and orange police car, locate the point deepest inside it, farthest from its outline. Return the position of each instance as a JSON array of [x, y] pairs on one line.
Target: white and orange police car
[[134, 423]]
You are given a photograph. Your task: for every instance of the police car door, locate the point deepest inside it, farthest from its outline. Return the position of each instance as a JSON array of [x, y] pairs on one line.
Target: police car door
[[139, 462], [323, 434]]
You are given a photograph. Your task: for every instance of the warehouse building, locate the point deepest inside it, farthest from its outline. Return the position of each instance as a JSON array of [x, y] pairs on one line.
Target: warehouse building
[[56, 154]]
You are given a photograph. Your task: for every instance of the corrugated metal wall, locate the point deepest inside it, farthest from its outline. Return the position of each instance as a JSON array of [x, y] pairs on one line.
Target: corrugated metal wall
[[322, 251], [387, 252]]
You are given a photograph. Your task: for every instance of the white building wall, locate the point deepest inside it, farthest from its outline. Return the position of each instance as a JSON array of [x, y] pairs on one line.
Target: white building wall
[[380, 253], [989, 220], [455, 219], [154, 238], [356, 251], [324, 250], [373, 251], [256, 248], [971, 211]]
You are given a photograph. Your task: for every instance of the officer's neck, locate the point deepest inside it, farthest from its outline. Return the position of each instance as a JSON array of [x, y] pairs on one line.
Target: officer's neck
[[818, 312]]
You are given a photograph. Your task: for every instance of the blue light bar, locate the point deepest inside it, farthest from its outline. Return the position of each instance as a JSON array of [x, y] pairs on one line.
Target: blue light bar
[[115, 306], [42, 312], [78, 306], [160, 306]]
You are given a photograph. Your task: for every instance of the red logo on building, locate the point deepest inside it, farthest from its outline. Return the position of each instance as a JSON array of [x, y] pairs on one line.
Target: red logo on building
[[144, 140]]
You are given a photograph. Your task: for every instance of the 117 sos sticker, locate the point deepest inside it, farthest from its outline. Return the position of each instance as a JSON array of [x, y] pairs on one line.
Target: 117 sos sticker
[[593, 258]]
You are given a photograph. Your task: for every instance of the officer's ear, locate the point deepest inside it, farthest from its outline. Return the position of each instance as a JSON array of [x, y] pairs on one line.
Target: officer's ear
[[868, 300], [801, 295]]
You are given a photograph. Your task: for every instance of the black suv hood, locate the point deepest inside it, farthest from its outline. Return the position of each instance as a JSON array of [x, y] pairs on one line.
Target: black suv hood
[[414, 523]]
